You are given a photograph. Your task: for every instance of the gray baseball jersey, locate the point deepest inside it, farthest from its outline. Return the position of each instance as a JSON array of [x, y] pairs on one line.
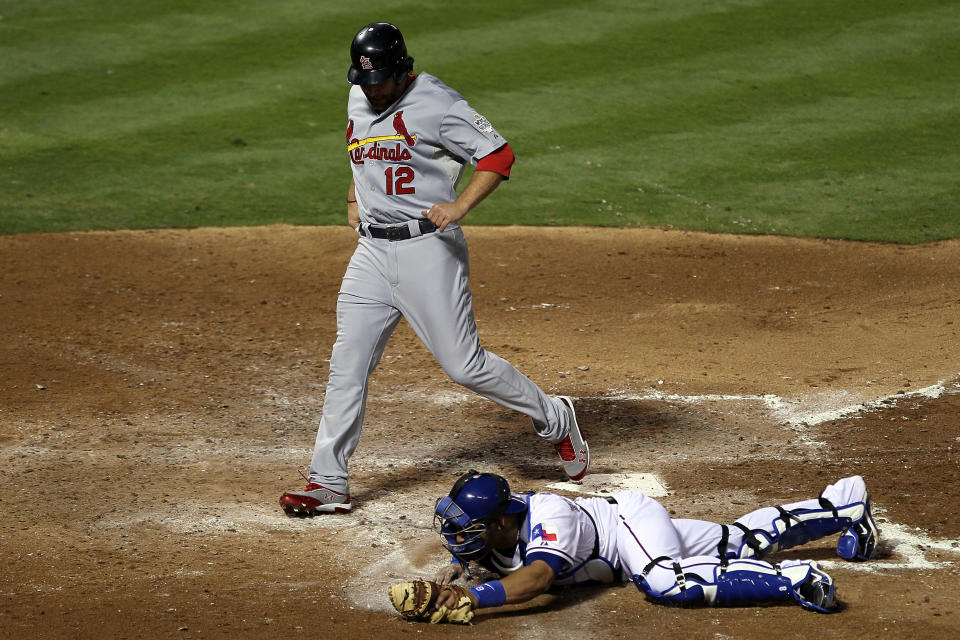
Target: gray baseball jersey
[[412, 155]]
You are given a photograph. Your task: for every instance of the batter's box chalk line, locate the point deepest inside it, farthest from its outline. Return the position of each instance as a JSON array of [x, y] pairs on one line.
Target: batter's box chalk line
[[907, 548], [806, 411]]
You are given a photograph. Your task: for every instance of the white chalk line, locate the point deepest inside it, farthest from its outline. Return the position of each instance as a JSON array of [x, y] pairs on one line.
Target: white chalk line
[[907, 547], [805, 411]]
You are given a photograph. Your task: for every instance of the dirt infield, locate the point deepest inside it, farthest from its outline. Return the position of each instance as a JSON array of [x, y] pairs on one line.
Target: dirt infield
[[160, 389]]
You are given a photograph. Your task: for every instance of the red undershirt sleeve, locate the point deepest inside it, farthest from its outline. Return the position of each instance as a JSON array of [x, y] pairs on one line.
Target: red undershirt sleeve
[[499, 161]]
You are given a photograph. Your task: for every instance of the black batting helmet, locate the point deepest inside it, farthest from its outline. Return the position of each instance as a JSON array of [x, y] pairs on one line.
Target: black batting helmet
[[376, 53]]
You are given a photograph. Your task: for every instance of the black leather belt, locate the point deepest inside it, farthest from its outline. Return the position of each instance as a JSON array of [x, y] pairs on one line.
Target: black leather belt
[[397, 231]]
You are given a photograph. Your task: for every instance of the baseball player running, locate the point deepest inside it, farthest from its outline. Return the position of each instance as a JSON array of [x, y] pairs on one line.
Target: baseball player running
[[408, 138], [539, 540]]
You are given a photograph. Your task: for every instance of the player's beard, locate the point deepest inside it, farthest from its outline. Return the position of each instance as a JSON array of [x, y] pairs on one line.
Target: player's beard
[[380, 103]]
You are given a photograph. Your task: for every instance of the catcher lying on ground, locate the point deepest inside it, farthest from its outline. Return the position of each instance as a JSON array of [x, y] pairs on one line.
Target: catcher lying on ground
[[540, 540]]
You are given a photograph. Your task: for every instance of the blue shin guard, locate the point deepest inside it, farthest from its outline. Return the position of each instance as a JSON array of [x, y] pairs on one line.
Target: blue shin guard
[[745, 586], [747, 582], [792, 528]]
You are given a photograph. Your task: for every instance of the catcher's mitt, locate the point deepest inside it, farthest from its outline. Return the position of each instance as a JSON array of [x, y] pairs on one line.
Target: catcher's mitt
[[417, 601]]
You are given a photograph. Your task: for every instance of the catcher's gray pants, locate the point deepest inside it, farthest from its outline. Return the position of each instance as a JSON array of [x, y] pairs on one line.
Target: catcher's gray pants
[[424, 279]]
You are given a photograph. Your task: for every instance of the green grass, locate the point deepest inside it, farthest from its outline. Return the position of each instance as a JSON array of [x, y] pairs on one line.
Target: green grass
[[799, 117]]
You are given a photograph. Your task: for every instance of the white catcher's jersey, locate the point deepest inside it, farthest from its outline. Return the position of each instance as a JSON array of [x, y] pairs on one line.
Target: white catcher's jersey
[[412, 155], [578, 538]]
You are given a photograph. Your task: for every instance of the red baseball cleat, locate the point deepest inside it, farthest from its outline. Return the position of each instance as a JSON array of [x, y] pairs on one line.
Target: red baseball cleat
[[314, 500], [573, 450]]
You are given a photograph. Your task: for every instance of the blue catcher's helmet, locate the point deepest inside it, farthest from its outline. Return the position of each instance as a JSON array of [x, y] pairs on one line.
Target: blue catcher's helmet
[[475, 500]]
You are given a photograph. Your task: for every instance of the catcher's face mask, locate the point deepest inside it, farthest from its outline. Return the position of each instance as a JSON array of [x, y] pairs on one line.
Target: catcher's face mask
[[459, 535], [462, 517]]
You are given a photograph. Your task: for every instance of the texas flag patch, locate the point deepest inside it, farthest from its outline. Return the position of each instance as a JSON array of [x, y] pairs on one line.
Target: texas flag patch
[[546, 532]]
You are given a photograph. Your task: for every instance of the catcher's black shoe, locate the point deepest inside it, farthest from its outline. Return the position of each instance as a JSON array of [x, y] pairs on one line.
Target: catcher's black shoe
[[314, 500], [817, 592]]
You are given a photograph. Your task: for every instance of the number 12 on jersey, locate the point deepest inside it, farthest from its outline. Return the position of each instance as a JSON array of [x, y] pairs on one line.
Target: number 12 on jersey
[[398, 180]]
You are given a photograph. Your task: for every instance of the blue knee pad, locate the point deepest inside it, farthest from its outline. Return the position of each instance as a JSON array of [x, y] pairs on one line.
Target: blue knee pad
[[684, 594]]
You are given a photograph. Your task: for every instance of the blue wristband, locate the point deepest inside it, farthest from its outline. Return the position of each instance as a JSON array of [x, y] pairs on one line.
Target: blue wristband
[[490, 594]]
